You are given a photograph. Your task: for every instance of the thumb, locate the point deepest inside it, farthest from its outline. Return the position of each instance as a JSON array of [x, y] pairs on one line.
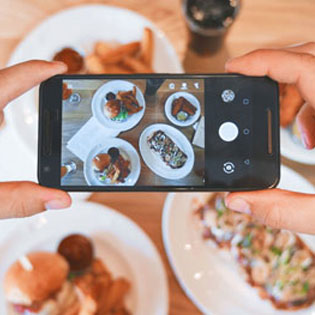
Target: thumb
[[22, 199], [277, 208]]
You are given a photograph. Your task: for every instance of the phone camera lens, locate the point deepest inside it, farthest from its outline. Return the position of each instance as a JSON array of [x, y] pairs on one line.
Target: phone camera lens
[[245, 101], [228, 96]]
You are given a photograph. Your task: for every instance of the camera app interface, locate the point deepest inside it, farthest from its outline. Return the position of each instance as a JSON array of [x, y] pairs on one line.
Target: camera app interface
[[141, 132]]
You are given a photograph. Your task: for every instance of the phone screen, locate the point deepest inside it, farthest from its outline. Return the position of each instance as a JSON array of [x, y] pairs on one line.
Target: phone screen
[[135, 132]]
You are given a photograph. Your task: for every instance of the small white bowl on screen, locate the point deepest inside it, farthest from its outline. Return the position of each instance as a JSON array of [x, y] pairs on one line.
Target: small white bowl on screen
[[126, 149], [190, 98], [99, 101]]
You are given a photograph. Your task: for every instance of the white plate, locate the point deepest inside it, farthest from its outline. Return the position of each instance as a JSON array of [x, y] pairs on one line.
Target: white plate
[[207, 274], [154, 161], [189, 97], [99, 100], [294, 151], [127, 150], [80, 27], [119, 242]]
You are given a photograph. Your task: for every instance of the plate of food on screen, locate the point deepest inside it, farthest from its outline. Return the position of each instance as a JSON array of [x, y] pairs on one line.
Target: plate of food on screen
[[114, 162], [118, 104], [166, 151], [182, 109]]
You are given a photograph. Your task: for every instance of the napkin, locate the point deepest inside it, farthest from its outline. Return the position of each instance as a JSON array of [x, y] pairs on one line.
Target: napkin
[[199, 137], [90, 135]]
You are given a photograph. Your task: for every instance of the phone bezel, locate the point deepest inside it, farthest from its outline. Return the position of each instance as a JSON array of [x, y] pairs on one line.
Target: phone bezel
[[50, 99]]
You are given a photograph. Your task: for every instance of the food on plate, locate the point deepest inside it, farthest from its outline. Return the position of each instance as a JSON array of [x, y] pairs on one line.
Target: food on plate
[[182, 109], [78, 251], [112, 167], [167, 149], [110, 57], [71, 58], [42, 283], [290, 103], [37, 284], [277, 262], [120, 106], [147, 47], [66, 92]]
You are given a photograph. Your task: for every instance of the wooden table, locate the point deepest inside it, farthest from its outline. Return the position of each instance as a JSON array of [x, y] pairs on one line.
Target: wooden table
[[261, 23]]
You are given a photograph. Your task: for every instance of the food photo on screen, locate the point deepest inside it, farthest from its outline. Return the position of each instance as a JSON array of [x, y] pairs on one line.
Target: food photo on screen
[[143, 132]]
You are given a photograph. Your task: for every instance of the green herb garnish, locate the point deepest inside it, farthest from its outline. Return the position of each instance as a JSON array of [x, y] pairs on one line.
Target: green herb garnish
[[306, 287], [277, 251], [121, 116], [220, 207], [280, 284], [247, 241]]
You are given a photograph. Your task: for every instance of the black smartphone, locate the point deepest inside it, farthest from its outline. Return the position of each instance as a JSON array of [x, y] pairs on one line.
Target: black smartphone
[[158, 132]]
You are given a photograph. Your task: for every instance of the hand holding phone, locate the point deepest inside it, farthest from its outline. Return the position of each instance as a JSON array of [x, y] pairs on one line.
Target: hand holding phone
[[21, 198], [158, 132]]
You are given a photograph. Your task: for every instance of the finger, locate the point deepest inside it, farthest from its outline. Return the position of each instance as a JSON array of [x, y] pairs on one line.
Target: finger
[[277, 208], [1, 117], [22, 199], [306, 48], [306, 124], [19, 78], [282, 66]]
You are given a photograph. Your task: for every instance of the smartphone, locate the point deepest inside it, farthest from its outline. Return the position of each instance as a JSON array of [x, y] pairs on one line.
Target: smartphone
[[158, 132]]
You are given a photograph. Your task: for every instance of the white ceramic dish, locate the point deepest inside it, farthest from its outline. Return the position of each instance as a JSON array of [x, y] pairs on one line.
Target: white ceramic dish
[[154, 161], [293, 150], [208, 275], [118, 241], [189, 97], [99, 101], [126, 149], [80, 27]]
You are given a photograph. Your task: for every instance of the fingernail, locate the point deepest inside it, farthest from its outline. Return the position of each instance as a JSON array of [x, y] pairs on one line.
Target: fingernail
[[55, 204], [305, 140], [303, 135], [239, 205]]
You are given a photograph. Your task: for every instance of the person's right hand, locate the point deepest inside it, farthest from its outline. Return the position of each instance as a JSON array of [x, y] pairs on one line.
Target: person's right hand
[[20, 199], [294, 65]]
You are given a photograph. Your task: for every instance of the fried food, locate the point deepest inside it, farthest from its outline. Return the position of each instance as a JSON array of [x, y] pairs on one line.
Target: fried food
[[71, 58], [117, 167], [182, 109], [115, 55], [94, 64], [290, 103], [106, 57], [112, 108], [78, 250], [147, 47], [120, 106], [136, 65]]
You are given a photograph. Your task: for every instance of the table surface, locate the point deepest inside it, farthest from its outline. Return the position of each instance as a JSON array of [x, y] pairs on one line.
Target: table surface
[[261, 23]]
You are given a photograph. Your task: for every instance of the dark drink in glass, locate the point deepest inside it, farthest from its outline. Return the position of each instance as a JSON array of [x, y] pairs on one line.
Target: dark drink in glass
[[208, 21]]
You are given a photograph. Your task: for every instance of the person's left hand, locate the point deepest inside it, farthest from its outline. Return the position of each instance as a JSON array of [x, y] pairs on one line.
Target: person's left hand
[[20, 199]]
